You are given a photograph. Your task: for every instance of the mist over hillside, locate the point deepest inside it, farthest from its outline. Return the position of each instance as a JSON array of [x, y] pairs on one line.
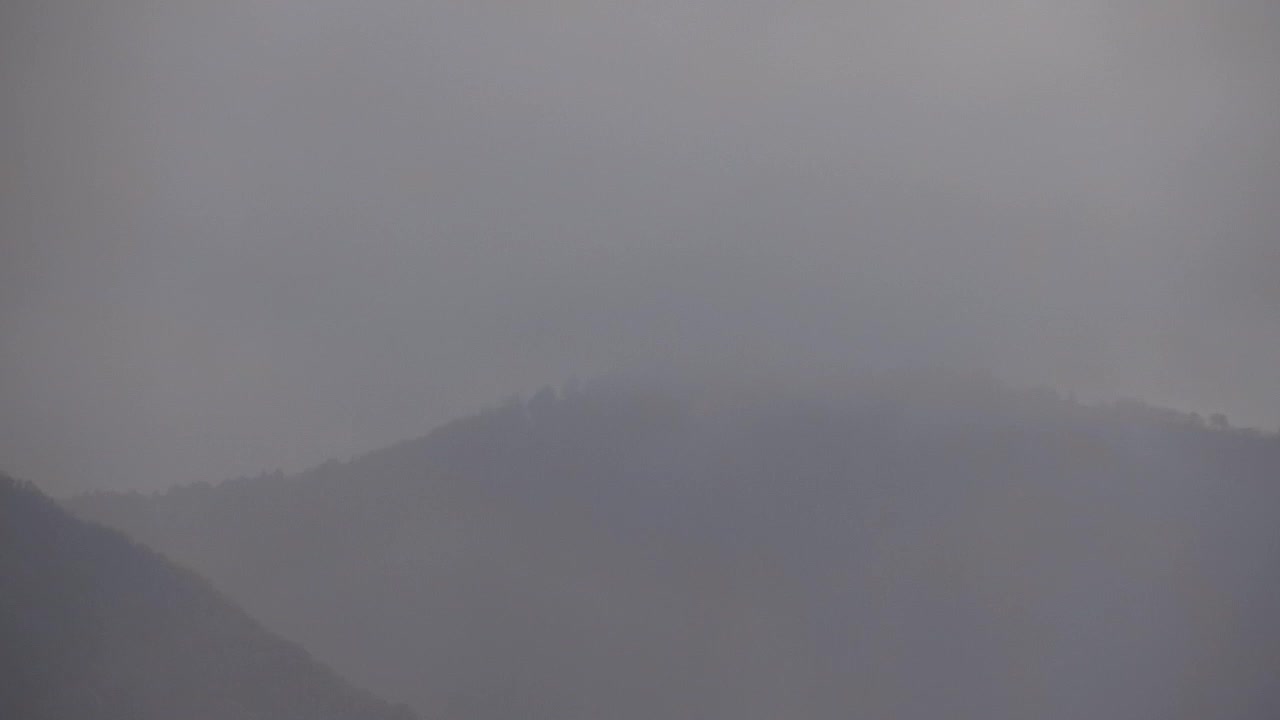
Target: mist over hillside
[[810, 249], [917, 546], [93, 625], [240, 235]]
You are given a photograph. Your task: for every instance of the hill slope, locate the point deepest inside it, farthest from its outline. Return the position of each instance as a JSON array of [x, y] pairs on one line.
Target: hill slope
[[923, 548], [94, 626]]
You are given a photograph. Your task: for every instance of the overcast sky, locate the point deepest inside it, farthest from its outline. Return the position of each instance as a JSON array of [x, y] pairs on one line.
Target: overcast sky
[[255, 234]]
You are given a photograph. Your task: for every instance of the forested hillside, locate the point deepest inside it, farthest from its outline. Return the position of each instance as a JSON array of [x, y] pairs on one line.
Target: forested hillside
[[915, 547], [94, 626]]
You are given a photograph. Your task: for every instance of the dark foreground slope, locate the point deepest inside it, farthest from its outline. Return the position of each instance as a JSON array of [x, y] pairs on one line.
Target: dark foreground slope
[[925, 548], [93, 625]]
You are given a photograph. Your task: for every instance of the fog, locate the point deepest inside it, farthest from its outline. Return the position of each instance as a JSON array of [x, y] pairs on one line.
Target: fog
[[644, 359], [248, 235]]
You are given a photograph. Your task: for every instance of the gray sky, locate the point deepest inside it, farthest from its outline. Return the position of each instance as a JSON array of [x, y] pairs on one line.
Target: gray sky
[[253, 234]]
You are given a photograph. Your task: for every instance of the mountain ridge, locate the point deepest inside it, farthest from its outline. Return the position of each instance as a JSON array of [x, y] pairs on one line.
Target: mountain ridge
[[97, 625], [641, 552]]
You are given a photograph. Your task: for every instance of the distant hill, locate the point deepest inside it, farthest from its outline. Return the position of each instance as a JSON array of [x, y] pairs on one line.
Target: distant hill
[[915, 547], [94, 626]]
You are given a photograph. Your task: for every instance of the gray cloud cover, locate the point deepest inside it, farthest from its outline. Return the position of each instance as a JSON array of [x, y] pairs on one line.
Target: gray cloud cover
[[249, 234]]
